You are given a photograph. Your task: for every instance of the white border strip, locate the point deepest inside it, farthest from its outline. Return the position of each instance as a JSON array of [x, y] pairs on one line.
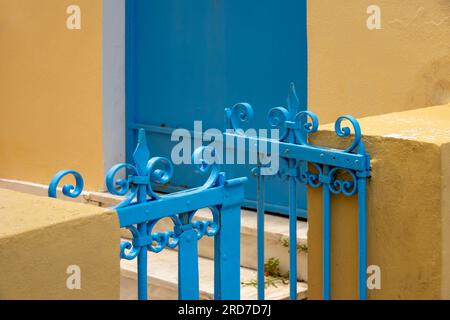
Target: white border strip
[[113, 82]]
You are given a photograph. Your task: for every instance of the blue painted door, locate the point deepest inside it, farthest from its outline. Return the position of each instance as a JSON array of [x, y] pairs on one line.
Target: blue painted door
[[187, 60]]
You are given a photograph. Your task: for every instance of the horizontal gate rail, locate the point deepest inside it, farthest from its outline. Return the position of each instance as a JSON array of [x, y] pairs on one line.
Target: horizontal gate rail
[[335, 171], [142, 209]]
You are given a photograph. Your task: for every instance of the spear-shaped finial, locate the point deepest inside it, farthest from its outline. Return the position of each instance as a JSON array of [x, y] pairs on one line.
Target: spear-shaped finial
[[292, 101], [142, 154]]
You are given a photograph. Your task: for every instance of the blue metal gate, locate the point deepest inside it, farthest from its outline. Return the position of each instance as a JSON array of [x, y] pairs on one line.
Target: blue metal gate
[[186, 60], [304, 164], [335, 171], [142, 209]]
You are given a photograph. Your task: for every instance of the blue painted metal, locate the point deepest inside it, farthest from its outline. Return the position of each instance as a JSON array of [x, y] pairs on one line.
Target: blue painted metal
[[293, 110], [362, 231], [326, 246], [188, 286], [68, 190], [335, 171], [256, 172], [142, 209], [227, 248], [186, 60]]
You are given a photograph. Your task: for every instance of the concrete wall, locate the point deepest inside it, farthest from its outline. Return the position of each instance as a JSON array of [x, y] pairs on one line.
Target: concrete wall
[[50, 91], [353, 70], [41, 237], [407, 210]]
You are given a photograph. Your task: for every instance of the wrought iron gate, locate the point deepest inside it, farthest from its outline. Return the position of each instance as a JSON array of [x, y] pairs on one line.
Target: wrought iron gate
[[302, 163], [142, 208], [335, 171]]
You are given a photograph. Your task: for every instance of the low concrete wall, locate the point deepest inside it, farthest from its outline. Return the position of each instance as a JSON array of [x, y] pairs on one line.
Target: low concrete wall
[[408, 211], [41, 238]]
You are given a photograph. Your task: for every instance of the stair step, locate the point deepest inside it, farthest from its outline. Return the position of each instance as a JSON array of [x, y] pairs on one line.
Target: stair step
[[163, 280], [276, 235]]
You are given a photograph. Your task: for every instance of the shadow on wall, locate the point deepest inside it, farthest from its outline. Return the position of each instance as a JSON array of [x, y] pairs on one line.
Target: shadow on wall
[[434, 84]]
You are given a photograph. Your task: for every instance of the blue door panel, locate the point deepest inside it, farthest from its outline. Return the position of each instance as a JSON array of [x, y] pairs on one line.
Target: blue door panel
[[188, 60]]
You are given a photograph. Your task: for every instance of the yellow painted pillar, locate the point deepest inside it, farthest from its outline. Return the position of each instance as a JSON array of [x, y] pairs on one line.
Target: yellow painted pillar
[[408, 210]]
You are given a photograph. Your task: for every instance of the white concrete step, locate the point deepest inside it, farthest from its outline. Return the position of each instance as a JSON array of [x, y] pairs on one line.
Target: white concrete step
[[163, 280], [276, 229]]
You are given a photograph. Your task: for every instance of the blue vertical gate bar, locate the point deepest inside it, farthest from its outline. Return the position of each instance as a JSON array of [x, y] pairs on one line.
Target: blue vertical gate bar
[[188, 278], [326, 246], [292, 237], [140, 157], [335, 171], [142, 209], [260, 234], [362, 253], [293, 110], [362, 230], [227, 250]]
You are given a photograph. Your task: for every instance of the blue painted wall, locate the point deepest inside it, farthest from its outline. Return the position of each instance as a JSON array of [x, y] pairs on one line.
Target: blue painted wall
[[188, 60]]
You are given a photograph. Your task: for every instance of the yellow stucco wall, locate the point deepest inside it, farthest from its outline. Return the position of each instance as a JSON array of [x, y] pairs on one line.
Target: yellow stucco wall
[[41, 237], [354, 70], [445, 192], [50, 91], [407, 210]]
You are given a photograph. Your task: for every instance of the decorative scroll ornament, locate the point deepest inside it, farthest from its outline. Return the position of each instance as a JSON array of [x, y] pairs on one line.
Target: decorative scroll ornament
[[159, 171], [338, 180], [291, 120], [314, 179], [295, 127], [241, 113], [143, 173], [347, 187], [68, 189], [158, 241]]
